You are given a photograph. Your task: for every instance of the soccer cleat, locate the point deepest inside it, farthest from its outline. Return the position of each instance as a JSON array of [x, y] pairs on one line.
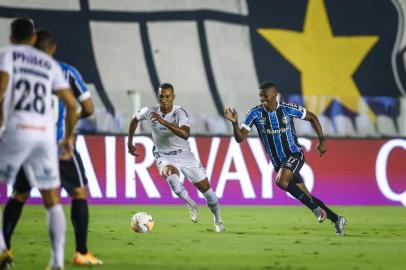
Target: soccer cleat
[[6, 260], [219, 227], [320, 214], [194, 215], [339, 224], [86, 259], [58, 268]]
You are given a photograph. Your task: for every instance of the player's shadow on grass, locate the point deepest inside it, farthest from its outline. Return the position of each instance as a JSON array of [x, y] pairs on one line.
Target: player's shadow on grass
[[354, 235]]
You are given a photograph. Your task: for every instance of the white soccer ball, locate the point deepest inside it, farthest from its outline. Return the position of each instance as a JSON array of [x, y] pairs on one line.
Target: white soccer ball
[[142, 222]]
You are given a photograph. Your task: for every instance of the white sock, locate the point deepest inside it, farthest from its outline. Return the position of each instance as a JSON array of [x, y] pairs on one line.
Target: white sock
[[2, 242], [179, 189], [213, 204], [57, 229]]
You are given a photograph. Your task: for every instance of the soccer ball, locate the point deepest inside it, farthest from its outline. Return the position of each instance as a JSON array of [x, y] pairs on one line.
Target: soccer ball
[[142, 222]]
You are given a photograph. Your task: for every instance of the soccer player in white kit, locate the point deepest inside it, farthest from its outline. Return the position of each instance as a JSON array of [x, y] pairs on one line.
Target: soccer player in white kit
[[170, 132], [27, 138]]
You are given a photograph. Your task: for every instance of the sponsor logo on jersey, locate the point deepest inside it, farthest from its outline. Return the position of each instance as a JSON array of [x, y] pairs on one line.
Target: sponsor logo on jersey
[[276, 131], [31, 59]]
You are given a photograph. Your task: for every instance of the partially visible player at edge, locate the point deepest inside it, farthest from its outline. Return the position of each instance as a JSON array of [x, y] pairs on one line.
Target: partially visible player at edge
[[170, 133], [73, 177], [27, 79], [274, 123]]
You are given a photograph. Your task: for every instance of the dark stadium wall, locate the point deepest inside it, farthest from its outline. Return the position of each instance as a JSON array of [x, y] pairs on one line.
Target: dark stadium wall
[[224, 49]]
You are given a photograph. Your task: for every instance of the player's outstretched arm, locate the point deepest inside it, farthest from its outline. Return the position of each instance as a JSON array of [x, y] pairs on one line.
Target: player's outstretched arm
[[69, 100], [182, 131], [314, 121], [240, 134], [131, 130]]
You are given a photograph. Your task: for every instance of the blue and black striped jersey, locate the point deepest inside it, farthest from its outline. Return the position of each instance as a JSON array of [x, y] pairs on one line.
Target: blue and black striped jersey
[[276, 129], [79, 90]]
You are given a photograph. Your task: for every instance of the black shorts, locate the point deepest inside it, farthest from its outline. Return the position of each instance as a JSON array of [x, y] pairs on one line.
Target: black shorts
[[72, 175], [294, 163]]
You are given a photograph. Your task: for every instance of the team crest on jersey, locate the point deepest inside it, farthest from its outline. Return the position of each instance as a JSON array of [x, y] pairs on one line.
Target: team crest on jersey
[[285, 120], [262, 120]]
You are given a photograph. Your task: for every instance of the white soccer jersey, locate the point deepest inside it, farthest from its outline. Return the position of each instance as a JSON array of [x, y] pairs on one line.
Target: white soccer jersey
[[33, 75], [164, 140], [29, 137]]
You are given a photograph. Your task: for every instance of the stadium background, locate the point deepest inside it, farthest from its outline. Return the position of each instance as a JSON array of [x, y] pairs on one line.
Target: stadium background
[[349, 69]]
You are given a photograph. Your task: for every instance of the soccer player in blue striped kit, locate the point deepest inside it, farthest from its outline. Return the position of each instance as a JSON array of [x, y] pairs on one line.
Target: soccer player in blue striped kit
[[274, 123]]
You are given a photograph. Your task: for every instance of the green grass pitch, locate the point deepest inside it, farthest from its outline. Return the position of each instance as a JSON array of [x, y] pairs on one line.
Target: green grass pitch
[[256, 237]]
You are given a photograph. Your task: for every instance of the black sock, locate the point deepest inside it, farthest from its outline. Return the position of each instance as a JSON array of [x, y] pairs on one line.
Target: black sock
[[330, 214], [300, 195], [12, 213], [80, 221]]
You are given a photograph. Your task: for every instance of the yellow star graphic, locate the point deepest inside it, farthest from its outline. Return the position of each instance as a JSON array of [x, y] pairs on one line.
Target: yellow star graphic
[[326, 62]]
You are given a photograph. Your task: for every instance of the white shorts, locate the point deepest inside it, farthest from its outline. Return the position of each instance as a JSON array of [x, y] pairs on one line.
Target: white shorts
[[185, 163], [38, 157]]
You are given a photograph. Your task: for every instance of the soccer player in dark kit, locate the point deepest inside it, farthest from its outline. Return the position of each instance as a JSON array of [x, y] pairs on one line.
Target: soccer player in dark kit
[[274, 123]]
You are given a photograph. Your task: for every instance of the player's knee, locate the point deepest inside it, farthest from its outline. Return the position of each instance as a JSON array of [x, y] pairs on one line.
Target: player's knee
[[203, 185], [79, 193], [204, 189], [50, 202], [20, 197], [50, 198], [169, 170], [282, 183]]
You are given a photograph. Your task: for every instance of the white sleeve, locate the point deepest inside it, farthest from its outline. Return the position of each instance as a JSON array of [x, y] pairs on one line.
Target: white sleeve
[[59, 82], [6, 64], [84, 96], [182, 117], [304, 114], [141, 114], [245, 126]]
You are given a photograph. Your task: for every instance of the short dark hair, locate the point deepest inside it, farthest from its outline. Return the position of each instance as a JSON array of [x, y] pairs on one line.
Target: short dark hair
[[267, 85], [22, 29], [44, 40], [166, 86]]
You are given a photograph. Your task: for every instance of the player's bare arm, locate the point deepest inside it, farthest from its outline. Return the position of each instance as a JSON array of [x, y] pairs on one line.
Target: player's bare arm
[[131, 130], [240, 134], [3, 86], [69, 100], [314, 121], [87, 108], [182, 131]]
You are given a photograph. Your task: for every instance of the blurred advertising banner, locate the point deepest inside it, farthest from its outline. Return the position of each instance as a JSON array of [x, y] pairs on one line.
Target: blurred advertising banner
[[353, 172], [336, 56]]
